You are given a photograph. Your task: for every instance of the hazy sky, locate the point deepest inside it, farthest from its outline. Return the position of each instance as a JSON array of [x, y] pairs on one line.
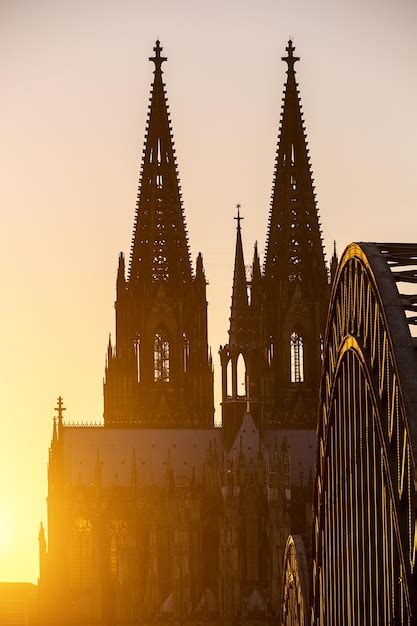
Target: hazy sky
[[74, 84]]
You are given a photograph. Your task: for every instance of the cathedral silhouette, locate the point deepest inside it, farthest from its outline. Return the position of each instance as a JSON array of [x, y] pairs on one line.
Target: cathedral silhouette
[[159, 515]]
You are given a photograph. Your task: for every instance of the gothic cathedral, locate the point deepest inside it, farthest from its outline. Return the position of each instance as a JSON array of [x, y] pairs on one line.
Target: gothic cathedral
[[157, 514]]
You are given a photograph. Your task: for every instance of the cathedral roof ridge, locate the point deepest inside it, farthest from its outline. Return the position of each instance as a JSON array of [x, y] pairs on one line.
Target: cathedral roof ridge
[[247, 441]]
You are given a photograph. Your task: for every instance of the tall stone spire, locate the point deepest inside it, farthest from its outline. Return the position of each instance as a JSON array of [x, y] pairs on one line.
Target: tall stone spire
[[159, 373], [294, 249], [239, 308], [288, 304], [159, 246]]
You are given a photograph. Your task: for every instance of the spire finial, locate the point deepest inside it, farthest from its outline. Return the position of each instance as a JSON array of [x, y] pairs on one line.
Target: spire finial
[[157, 58], [60, 409], [238, 218], [290, 59]]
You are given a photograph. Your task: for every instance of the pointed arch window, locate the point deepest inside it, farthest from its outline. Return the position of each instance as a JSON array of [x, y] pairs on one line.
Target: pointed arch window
[[296, 358], [241, 376], [117, 546], [161, 358], [137, 353], [80, 555], [270, 351], [229, 378], [186, 351]]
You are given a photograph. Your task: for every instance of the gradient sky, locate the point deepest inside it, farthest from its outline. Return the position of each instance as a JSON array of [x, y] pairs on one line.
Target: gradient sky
[[74, 84]]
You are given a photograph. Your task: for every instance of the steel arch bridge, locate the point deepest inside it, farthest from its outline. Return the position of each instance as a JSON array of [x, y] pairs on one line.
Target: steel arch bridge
[[364, 524], [295, 584]]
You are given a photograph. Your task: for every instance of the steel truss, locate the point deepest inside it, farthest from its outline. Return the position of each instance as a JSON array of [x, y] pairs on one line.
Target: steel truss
[[364, 533], [295, 584]]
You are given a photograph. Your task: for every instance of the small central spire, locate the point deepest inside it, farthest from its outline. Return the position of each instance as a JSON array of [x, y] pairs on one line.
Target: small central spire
[[158, 59], [290, 59], [239, 291]]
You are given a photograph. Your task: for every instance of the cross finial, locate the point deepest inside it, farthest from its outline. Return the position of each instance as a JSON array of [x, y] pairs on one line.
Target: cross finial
[[290, 59], [157, 58], [238, 218], [60, 408]]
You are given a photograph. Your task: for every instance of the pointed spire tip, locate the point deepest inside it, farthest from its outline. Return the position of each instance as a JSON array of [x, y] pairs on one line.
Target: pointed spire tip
[[158, 59], [290, 59], [238, 217]]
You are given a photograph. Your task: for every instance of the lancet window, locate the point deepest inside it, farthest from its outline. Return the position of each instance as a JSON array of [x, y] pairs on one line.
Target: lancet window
[[321, 347], [270, 351], [241, 375], [80, 555], [229, 379], [137, 352], [296, 358], [161, 358], [186, 351], [118, 561]]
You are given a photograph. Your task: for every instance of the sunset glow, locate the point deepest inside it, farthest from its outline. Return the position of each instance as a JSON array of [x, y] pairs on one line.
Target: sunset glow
[[4, 531], [76, 80]]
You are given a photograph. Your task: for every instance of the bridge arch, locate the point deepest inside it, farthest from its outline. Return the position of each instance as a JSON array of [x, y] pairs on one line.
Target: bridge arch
[[295, 584], [364, 526]]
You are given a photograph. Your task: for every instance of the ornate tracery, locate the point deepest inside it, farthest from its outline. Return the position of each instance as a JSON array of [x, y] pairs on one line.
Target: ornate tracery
[[117, 533], [296, 358], [161, 358], [80, 555]]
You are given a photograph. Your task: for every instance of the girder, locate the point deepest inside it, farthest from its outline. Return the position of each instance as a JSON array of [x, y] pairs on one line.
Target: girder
[[365, 538], [295, 584]]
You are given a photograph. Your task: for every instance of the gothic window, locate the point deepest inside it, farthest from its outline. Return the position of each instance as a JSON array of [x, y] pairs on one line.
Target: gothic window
[[117, 546], [161, 358], [80, 555], [321, 347], [137, 352], [229, 382], [296, 358], [270, 351], [186, 351], [241, 375]]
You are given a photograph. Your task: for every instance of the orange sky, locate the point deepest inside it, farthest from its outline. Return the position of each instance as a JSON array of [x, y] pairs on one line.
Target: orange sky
[[75, 82]]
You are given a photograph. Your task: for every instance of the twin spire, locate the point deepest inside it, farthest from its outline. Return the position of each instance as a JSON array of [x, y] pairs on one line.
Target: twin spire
[[160, 245], [294, 248]]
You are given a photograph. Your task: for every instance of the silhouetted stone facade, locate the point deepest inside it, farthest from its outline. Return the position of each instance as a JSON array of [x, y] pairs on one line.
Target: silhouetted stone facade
[[276, 336], [157, 514]]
